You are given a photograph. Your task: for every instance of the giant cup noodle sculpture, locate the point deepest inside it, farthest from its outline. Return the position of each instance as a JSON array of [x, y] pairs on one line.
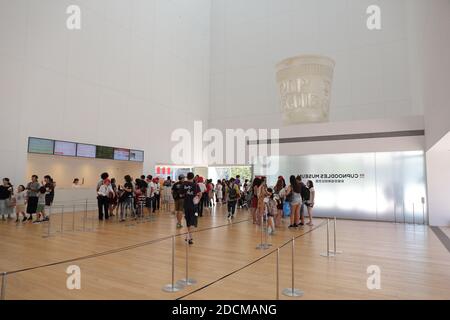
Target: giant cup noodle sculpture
[[304, 84]]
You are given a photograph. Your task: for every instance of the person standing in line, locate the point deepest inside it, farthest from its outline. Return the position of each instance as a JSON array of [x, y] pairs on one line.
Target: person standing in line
[[210, 191], [103, 177], [178, 194], [262, 193], [149, 201], [126, 197], [254, 199], [166, 196], [40, 210], [219, 192], [271, 210], [20, 201], [295, 200], [49, 185], [33, 194], [202, 187], [310, 201], [191, 200], [113, 205], [305, 196], [5, 198], [157, 193], [233, 196], [224, 191], [279, 191], [104, 193]]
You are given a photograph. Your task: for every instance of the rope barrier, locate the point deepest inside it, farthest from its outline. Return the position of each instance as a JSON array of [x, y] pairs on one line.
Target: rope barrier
[[250, 264], [130, 247]]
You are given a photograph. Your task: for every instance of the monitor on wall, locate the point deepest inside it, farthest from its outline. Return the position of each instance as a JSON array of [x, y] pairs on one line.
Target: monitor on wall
[[103, 152], [63, 148], [42, 146], [86, 150], [137, 155], [121, 154]]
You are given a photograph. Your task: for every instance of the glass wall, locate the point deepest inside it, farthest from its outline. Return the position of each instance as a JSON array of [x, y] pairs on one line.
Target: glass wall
[[216, 173], [387, 186]]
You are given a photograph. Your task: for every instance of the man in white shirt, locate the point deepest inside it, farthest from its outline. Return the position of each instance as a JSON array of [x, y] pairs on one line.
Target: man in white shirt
[[149, 202], [104, 194]]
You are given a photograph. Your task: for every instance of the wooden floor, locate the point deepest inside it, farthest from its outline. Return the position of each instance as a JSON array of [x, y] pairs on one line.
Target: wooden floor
[[413, 263]]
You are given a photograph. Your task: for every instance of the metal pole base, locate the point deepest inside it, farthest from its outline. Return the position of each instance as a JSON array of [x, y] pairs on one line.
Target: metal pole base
[[187, 282], [336, 252], [172, 288], [263, 246], [293, 292], [328, 255]]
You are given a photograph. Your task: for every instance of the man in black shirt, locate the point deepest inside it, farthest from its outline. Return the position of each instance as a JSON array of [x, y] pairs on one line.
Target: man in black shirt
[[178, 194], [191, 200]]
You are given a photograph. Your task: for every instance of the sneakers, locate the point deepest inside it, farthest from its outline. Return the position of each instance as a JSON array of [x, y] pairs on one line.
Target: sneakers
[[46, 219], [37, 221], [190, 241], [179, 225], [229, 216]]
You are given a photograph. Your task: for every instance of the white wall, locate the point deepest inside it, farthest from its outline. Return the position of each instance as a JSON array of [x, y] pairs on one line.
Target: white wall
[[250, 36], [135, 71], [438, 177], [429, 26]]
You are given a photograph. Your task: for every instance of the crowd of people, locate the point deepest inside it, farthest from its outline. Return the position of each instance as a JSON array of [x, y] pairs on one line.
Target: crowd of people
[[189, 197], [27, 201]]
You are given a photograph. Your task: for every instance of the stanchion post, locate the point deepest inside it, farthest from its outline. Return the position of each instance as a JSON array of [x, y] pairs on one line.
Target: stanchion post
[[262, 245], [328, 253], [3, 289], [85, 216], [414, 214], [172, 287], [278, 274], [187, 281], [49, 221], [62, 219], [73, 219], [293, 292], [335, 251], [423, 210]]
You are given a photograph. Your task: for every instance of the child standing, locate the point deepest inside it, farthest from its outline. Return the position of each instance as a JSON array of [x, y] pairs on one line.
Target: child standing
[[40, 211], [271, 210], [20, 200]]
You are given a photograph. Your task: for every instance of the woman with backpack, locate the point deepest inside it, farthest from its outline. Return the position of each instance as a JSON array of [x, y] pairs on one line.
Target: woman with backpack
[[279, 191], [233, 196]]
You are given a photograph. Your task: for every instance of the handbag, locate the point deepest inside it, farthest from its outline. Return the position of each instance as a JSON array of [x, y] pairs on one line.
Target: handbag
[[286, 209]]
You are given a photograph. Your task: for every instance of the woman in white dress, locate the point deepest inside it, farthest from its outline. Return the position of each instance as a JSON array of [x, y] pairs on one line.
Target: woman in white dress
[[219, 192]]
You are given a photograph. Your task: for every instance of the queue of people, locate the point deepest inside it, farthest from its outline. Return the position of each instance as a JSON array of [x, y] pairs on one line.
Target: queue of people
[[190, 196], [27, 202]]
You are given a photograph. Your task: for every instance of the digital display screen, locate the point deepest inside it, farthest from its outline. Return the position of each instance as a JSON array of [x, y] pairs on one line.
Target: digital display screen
[[104, 153], [121, 154], [63, 148], [137, 155], [86, 150], [43, 146]]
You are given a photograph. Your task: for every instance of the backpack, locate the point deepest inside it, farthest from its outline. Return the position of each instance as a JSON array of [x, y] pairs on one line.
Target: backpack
[[232, 194], [178, 191], [305, 193]]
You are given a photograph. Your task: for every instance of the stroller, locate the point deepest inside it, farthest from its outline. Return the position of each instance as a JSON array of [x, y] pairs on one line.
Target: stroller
[[244, 201]]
